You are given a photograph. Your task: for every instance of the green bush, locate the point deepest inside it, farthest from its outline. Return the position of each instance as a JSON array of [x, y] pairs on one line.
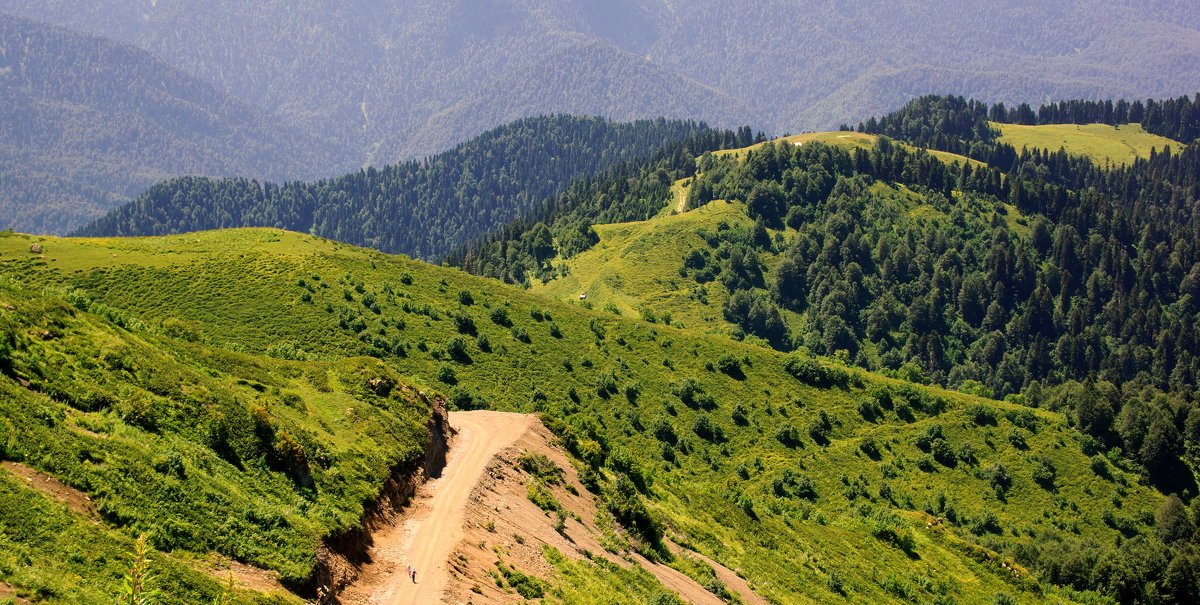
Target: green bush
[[809, 371], [788, 435], [499, 316], [982, 414], [730, 366]]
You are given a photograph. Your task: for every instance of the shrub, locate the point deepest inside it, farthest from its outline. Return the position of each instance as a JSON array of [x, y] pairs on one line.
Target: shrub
[[869, 447], [1044, 473], [457, 349], [869, 410], [943, 453], [1100, 466], [987, 523], [606, 384], [1017, 438], [1025, 419], [997, 475], [664, 431], [632, 390], [788, 435], [462, 399], [692, 395], [730, 366], [925, 463], [554, 331], [499, 316], [739, 415], [820, 428], [465, 298], [981, 414], [707, 430], [966, 453], [804, 488], [811, 372], [889, 527], [445, 373], [464, 324], [527, 586]]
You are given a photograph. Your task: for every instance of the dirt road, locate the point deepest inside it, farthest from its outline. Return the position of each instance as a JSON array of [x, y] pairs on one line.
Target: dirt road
[[434, 524]]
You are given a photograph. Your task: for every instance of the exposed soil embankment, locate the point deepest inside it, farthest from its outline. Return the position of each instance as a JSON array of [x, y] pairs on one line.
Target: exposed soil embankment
[[340, 558], [478, 515]]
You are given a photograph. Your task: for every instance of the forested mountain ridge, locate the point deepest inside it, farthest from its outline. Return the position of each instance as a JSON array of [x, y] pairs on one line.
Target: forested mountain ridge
[[420, 208], [396, 80], [1038, 275], [89, 123]]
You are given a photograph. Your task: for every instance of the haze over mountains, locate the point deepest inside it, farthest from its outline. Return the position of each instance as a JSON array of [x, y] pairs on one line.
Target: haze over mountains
[[384, 81], [88, 123]]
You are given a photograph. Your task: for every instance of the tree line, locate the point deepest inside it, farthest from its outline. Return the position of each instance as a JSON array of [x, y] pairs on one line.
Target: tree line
[[419, 208]]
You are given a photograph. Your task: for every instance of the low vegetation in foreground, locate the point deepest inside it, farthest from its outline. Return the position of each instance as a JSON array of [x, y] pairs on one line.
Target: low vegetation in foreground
[[207, 454], [811, 479]]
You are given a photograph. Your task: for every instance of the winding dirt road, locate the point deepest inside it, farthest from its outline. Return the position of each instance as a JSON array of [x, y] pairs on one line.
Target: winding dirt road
[[434, 524]]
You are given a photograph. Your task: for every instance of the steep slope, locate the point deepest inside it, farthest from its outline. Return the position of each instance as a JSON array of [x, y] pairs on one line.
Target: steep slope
[[208, 454], [89, 123], [812, 480], [397, 80], [494, 542], [423, 209]]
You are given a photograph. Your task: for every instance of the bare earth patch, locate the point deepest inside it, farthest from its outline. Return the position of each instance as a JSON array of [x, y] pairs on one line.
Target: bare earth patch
[[76, 500], [478, 514]]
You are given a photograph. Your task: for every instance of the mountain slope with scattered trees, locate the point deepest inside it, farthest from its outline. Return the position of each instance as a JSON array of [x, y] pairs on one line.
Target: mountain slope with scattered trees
[[816, 481], [1039, 276]]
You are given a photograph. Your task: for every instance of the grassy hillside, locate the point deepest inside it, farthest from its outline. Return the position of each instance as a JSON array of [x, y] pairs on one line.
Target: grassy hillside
[[635, 268], [207, 453], [644, 265], [848, 140], [816, 482], [1104, 144]]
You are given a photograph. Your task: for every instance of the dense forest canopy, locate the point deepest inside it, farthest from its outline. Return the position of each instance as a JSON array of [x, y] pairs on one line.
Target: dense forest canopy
[[420, 208]]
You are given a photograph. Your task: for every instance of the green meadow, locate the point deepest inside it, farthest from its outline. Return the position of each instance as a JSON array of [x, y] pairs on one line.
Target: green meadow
[[1104, 144], [814, 481]]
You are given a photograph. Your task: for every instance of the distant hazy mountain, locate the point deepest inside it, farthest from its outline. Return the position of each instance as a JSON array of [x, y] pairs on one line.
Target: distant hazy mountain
[[86, 123], [405, 78]]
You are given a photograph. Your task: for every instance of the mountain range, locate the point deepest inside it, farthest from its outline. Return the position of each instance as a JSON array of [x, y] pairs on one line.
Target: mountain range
[[384, 81], [89, 123]]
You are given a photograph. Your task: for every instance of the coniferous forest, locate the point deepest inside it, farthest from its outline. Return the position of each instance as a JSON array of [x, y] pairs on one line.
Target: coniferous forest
[[420, 208]]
